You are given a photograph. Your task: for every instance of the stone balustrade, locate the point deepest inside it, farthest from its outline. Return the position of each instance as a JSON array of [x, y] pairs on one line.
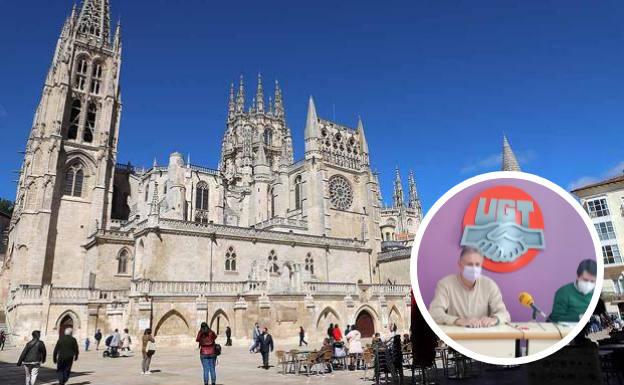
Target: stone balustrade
[[283, 222], [343, 288], [386, 290], [196, 288]]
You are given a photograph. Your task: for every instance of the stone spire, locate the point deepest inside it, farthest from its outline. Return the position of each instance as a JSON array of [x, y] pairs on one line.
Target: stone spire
[[279, 103], [413, 199], [259, 96], [117, 38], [360, 131], [510, 163], [398, 190], [261, 159], [311, 128], [94, 20], [231, 103], [154, 213], [240, 96]]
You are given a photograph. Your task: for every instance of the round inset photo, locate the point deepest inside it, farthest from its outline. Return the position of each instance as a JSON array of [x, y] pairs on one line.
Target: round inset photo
[[505, 268]]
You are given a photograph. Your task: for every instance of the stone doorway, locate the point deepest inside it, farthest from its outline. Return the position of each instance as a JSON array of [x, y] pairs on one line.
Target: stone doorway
[[364, 324], [66, 322]]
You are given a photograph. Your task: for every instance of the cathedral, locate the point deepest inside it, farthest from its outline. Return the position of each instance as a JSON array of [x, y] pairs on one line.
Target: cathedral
[[262, 237]]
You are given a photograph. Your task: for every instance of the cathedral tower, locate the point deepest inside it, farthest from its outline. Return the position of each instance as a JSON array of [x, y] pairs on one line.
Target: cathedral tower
[[64, 190]]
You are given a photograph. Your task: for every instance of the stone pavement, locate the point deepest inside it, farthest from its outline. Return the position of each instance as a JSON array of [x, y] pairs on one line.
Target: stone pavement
[[172, 367]]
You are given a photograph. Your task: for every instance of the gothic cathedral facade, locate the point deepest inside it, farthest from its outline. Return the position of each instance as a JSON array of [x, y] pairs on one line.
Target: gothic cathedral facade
[[95, 244]]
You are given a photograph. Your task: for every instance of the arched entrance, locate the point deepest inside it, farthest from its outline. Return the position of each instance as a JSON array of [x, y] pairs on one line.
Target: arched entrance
[[66, 322], [364, 324], [219, 322]]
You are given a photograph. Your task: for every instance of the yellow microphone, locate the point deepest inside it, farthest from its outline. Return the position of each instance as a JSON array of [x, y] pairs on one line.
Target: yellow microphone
[[526, 300]]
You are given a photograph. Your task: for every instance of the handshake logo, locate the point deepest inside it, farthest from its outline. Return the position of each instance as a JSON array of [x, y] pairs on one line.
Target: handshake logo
[[501, 229], [503, 241]]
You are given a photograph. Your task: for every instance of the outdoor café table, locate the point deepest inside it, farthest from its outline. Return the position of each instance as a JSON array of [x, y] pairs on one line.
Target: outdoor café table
[[495, 341]]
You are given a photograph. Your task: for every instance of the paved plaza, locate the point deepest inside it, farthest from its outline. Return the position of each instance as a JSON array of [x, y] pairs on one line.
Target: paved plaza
[[171, 367], [236, 366]]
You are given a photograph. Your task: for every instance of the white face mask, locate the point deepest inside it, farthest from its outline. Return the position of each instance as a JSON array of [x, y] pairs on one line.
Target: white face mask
[[471, 273], [585, 287]]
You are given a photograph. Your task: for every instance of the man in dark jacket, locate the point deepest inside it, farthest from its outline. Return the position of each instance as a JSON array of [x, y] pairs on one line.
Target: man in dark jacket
[[228, 336], [265, 342], [65, 353], [33, 355]]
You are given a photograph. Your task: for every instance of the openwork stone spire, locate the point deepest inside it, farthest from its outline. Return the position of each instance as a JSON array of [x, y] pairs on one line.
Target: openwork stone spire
[[94, 20], [413, 198], [259, 96], [510, 163], [398, 190], [240, 97], [231, 103], [279, 103]]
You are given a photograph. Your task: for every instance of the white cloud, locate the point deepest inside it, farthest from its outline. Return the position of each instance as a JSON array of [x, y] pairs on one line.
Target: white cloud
[[494, 161], [585, 180]]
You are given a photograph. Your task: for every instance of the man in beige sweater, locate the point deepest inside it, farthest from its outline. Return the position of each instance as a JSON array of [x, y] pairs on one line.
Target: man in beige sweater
[[468, 298]]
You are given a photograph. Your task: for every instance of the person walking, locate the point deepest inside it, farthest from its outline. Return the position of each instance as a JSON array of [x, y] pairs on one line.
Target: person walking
[[97, 337], [115, 343], [148, 350], [33, 355], [125, 341], [355, 346], [265, 341], [2, 339], [64, 355], [255, 333], [228, 335], [87, 343], [207, 353], [302, 337]]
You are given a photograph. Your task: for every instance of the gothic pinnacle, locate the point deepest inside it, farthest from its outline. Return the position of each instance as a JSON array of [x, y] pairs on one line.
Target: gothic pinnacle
[[240, 96], [259, 96], [231, 102], [510, 163], [279, 103]]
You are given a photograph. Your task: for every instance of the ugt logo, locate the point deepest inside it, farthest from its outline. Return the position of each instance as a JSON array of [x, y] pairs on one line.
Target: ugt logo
[[507, 225]]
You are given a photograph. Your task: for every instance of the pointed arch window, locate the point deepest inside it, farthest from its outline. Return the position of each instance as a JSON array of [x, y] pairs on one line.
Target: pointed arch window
[[268, 136], [87, 134], [96, 78], [298, 192], [82, 70], [31, 196], [74, 119], [122, 262], [74, 179], [271, 203], [272, 262], [201, 202], [309, 263], [146, 191], [230, 259]]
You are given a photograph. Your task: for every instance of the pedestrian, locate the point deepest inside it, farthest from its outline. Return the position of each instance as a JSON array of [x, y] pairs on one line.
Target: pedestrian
[[148, 348], [302, 337], [355, 346], [87, 343], [125, 341], [330, 331], [65, 353], [115, 343], [337, 333], [207, 353], [255, 333], [265, 341], [347, 330], [33, 355], [2, 339], [97, 337], [228, 335], [397, 355]]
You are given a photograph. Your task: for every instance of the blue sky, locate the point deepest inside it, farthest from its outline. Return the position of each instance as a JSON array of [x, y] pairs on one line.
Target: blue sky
[[437, 83]]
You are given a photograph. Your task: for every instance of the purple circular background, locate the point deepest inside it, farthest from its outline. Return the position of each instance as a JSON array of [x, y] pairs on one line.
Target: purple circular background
[[567, 239]]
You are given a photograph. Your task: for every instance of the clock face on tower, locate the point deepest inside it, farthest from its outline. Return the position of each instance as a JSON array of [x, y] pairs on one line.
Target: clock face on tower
[[340, 192]]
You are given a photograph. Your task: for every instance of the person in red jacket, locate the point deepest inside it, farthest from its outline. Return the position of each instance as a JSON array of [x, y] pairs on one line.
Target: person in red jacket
[[207, 353], [337, 333]]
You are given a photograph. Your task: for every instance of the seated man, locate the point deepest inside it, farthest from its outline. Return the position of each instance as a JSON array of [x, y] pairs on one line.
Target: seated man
[[572, 299], [468, 298]]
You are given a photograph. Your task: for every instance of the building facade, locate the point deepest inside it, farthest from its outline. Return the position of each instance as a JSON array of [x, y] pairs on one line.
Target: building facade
[[604, 202], [95, 244]]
